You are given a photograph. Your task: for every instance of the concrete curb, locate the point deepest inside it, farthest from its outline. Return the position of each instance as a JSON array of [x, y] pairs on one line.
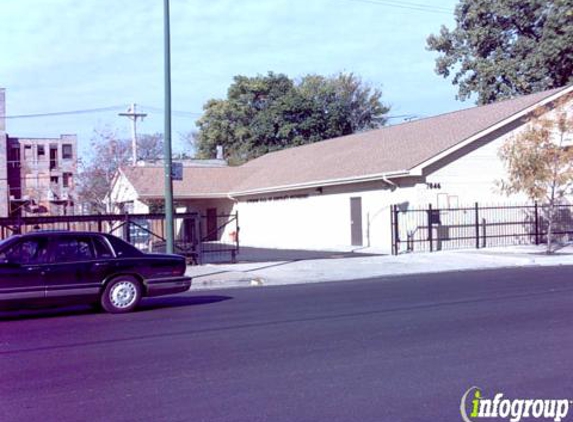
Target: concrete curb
[[282, 273]]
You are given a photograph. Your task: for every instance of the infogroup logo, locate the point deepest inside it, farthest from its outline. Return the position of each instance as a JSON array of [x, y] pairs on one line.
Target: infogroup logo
[[474, 407]]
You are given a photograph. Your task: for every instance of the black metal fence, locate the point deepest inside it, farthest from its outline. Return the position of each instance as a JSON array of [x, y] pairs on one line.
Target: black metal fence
[[432, 229], [211, 238]]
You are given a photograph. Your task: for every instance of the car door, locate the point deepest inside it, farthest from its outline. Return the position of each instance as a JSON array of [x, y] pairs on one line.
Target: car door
[[23, 268], [74, 269]]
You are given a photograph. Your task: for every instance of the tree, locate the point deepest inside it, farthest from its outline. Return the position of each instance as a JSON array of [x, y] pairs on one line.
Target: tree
[[539, 161], [272, 112], [149, 146], [504, 48], [109, 153]]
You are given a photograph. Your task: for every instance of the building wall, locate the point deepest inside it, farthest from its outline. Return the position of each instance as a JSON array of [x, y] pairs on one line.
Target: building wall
[[124, 198], [322, 220], [43, 170]]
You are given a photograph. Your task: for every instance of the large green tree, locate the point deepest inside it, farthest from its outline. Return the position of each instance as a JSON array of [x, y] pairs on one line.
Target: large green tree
[[271, 112], [503, 48]]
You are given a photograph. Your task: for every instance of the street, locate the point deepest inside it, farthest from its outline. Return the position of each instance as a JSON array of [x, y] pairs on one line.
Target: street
[[394, 349]]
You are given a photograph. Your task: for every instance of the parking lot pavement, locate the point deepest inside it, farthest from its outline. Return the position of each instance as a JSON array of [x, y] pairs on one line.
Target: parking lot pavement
[[333, 266]]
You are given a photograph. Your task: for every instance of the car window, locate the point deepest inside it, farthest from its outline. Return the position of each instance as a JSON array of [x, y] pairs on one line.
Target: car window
[[101, 248], [29, 251], [67, 249], [122, 248]]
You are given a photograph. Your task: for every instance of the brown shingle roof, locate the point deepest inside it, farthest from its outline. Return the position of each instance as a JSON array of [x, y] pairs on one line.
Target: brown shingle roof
[[386, 150], [197, 181], [390, 149]]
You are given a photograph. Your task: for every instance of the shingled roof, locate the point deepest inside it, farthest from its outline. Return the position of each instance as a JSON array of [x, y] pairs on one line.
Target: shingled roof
[[378, 153], [198, 182]]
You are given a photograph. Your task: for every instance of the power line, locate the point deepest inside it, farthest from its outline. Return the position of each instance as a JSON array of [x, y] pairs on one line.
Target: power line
[[173, 112], [64, 113], [408, 6]]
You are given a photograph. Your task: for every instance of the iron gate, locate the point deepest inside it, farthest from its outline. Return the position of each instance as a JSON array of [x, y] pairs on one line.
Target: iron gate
[[146, 232], [432, 229]]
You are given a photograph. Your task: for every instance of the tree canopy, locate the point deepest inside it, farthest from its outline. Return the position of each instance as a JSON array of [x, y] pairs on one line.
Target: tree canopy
[[503, 48], [271, 112], [539, 160]]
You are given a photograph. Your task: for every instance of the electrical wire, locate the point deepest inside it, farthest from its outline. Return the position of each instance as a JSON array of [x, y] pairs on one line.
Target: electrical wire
[[65, 113], [408, 6], [173, 112]]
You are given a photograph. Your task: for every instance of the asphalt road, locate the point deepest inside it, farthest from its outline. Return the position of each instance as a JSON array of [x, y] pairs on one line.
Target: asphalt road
[[397, 349]]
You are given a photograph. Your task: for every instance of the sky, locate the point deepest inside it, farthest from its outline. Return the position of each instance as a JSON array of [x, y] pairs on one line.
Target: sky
[[70, 55]]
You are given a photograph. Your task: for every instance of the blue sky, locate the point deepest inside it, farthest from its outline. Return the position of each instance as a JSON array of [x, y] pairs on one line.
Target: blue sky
[[65, 55]]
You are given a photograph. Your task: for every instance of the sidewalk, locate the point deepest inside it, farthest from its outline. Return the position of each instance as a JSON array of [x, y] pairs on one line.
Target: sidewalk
[[365, 264]]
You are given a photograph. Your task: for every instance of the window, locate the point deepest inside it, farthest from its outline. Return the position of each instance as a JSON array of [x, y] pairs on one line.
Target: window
[[54, 179], [67, 152], [123, 248], [41, 151], [69, 249], [101, 248], [28, 153], [67, 179], [32, 251], [53, 157], [14, 156]]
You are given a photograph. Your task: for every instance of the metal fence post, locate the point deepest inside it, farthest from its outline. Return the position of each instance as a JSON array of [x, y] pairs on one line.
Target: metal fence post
[[126, 234], [477, 225], [536, 224], [237, 230], [396, 230], [392, 229], [430, 228]]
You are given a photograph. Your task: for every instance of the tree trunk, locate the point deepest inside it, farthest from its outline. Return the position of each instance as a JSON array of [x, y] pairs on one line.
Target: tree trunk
[[550, 218]]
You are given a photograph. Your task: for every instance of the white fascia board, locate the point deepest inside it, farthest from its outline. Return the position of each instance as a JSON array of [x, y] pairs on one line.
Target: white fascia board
[[324, 183], [417, 171], [194, 196]]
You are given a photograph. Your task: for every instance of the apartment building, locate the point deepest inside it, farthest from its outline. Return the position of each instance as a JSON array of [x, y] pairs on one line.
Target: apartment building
[[36, 174]]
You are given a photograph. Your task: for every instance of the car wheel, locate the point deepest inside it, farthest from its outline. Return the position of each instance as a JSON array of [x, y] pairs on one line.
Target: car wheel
[[121, 295]]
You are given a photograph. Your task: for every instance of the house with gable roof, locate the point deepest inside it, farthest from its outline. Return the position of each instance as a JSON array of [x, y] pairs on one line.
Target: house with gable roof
[[338, 192]]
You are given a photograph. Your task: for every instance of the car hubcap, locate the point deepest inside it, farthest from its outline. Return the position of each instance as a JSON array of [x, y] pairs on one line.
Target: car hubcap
[[123, 294]]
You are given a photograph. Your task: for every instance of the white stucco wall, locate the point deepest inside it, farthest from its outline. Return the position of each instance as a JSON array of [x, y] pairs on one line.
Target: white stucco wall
[[320, 221]]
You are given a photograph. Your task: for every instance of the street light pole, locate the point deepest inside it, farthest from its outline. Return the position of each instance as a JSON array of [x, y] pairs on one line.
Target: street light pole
[[167, 135]]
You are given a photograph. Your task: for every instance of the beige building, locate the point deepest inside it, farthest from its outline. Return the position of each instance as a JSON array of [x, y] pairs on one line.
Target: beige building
[[338, 192], [36, 174]]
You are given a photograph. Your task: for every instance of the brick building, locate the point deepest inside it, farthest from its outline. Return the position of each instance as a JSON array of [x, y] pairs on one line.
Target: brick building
[[36, 174]]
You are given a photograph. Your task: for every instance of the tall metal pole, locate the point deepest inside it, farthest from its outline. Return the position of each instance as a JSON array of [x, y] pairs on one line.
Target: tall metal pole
[[167, 135]]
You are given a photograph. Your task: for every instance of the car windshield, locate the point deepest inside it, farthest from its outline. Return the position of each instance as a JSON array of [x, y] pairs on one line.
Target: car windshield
[[7, 241]]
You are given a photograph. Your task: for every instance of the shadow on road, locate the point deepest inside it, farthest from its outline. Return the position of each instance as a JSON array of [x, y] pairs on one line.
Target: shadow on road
[[178, 301], [147, 304]]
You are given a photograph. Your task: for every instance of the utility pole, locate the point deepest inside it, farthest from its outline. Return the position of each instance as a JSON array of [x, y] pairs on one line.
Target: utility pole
[[167, 136], [133, 115]]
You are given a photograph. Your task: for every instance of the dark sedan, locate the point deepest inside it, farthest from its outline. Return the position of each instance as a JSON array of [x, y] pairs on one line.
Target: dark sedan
[[86, 267]]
